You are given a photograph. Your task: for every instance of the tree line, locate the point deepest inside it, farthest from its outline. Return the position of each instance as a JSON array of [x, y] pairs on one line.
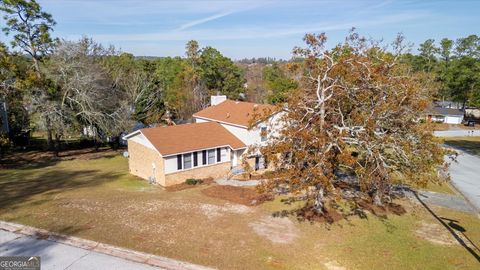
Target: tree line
[[61, 86], [455, 64]]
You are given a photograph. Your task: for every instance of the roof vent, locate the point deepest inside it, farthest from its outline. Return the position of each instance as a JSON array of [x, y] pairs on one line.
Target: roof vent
[[228, 115]]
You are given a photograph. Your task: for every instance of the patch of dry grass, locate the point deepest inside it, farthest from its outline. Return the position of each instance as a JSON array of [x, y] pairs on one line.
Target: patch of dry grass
[[97, 199], [242, 195], [440, 188]]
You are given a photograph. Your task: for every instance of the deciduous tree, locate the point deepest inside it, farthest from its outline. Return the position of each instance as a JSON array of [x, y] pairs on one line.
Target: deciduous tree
[[356, 113]]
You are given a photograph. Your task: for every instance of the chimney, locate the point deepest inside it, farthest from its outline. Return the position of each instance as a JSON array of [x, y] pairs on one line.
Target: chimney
[[215, 100]]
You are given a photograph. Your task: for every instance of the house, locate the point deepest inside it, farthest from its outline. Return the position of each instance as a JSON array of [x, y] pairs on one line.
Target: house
[[170, 155], [236, 117], [445, 115], [215, 143]]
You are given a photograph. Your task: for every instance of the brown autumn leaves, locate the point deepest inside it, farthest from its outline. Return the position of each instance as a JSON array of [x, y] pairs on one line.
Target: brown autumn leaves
[[354, 128]]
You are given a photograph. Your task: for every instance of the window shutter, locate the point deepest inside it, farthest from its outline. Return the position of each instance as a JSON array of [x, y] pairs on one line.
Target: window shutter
[[204, 157], [195, 159], [179, 162]]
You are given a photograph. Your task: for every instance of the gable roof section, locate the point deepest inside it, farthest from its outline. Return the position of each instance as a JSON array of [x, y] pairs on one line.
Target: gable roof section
[[234, 112], [172, 140]]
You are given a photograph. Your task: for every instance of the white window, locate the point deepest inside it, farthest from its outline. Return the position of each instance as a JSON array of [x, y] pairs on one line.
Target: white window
[[187, 161], [224, 154], [211, 156]]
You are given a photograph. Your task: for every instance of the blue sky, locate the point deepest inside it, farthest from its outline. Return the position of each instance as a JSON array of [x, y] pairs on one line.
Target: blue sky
[[255, 28]]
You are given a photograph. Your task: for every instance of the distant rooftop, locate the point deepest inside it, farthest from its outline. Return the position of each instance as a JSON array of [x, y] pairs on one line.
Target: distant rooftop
[[445, 111]]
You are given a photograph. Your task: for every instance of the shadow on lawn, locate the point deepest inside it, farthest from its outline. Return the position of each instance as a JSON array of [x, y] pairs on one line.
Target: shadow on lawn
[[453, 228], [39, 159], [471, 147], [16, 190]]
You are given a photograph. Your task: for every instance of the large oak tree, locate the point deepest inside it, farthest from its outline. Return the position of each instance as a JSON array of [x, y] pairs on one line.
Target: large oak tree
[[356, 113]]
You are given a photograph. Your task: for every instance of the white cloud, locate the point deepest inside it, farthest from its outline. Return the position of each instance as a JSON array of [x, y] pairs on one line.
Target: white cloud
[[204, 20], [253, 32]]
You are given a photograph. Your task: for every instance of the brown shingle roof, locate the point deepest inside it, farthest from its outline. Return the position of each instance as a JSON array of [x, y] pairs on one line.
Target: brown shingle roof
[[445, 111], [234, 112], [190, 137]]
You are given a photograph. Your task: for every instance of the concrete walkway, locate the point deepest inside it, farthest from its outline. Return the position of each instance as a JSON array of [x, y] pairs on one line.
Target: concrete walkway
[[237, 183], [465, 175], [64, 252]]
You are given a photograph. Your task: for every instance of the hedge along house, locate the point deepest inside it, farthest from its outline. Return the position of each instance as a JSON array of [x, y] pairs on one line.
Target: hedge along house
[[170, 155]]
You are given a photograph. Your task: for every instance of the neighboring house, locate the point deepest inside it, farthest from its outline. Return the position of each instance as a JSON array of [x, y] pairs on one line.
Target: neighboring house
[[4, 129], [445, 115], [210, 147], [470, 113]]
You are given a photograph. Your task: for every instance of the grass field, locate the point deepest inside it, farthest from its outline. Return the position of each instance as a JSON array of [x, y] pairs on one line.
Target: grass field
[[95, 198]]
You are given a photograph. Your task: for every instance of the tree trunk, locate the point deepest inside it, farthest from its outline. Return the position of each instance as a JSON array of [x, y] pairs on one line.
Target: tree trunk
[[57, 145], [49, 133], [377, 198], [322, 105], [319, 204], [95, 143], [115, 142], [37, 68]]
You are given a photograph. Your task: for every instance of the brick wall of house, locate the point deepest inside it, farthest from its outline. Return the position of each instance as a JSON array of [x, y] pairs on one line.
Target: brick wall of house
[[215, 171], [141, 159]]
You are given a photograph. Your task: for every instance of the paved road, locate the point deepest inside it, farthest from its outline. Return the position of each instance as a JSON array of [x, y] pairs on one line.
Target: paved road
[[457, 133], [465, 176], [60, 256]]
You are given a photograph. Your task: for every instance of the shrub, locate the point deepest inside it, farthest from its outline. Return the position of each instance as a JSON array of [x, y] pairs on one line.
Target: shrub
[[192, 181], [5, 144]]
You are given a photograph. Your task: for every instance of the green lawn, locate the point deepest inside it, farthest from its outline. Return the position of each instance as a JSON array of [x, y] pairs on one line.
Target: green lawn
[[97, 199], [470, 145]]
